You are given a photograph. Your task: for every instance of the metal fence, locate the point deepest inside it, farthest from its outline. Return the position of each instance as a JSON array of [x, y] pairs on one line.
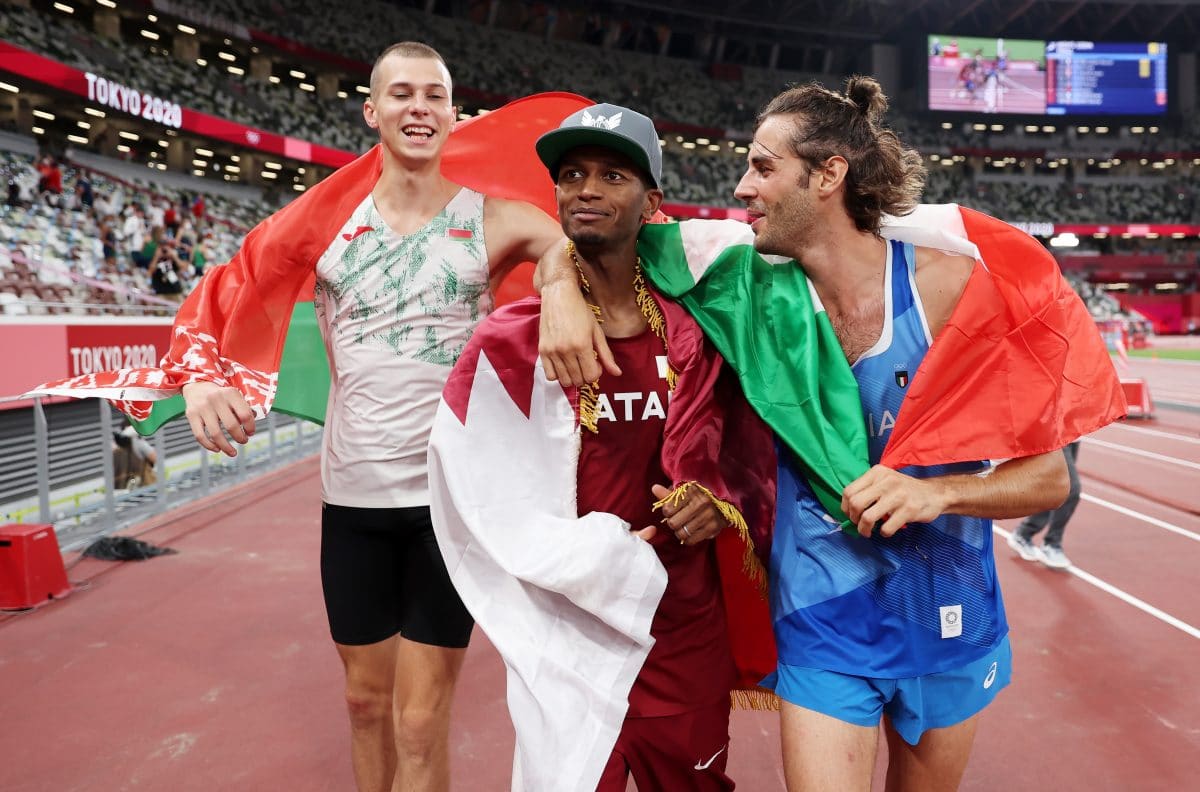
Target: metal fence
[[57, 466]]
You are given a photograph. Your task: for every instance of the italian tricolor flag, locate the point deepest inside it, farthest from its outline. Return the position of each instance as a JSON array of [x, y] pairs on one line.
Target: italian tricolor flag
[[250, 324], [1019, 369]]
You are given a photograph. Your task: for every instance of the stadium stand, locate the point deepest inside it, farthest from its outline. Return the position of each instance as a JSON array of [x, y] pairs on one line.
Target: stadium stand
[[1035, 174]]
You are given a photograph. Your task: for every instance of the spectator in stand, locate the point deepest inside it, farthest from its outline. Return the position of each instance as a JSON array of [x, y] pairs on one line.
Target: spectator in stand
[[49, 179], [148, 256], [108, 241], [170, 217], [133, 232]]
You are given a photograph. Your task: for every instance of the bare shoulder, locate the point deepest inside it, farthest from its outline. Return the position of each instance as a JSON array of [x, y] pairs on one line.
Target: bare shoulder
[[941, 277]]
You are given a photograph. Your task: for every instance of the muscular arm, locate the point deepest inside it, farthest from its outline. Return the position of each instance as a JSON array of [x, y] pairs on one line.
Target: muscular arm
[[1016, 488], [516, 231]]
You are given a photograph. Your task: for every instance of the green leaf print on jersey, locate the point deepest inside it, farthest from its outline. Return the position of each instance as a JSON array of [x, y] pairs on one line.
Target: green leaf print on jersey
[[434, 351], [407, 274]]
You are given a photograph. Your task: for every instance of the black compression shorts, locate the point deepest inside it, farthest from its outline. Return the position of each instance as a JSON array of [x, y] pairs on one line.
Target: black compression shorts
[[382, 574]]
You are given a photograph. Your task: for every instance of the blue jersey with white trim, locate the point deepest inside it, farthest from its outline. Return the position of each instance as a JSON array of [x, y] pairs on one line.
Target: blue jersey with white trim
[[923, 601]]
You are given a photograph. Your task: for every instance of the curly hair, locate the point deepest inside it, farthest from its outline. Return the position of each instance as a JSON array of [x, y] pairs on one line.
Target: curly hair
[[884, 176]]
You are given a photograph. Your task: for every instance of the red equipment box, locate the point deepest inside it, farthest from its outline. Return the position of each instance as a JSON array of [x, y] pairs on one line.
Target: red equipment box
[[31, 566]]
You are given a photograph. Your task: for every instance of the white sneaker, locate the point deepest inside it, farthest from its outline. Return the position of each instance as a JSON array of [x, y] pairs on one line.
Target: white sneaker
[[1054, 557], [1023, 546]]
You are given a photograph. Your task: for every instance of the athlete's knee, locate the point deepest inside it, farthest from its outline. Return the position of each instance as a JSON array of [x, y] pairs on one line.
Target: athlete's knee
[[421, 733], [369, 705]]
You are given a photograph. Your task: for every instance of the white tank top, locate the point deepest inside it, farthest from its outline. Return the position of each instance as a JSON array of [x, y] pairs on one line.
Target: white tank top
[[395, 312]]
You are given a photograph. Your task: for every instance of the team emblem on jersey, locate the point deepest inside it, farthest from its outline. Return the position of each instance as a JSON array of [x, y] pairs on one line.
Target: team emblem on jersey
[[902, 379]]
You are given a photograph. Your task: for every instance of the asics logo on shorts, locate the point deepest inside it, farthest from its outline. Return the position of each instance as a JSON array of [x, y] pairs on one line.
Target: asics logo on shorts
[[991, 676]]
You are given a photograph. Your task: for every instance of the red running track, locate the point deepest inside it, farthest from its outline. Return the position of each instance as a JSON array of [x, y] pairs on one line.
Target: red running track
[[212, 669]]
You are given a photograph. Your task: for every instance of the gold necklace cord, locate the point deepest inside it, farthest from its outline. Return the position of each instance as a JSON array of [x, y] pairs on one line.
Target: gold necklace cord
[[589, 399]]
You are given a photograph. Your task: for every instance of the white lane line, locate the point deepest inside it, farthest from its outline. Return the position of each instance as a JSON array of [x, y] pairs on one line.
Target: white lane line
[[1156, 432], [1139, 516], [1139, 452], [1124, 596]]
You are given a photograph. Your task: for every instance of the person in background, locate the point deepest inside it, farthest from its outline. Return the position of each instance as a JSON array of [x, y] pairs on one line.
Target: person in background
[[1054, 521]]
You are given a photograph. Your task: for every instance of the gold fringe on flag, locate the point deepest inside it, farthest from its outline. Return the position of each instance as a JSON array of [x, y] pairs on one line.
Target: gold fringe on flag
[[589, 404], [751, 566], [754, 699]]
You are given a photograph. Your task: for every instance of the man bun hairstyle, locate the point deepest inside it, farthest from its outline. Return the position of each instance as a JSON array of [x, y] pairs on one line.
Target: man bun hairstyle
[[883, 177]]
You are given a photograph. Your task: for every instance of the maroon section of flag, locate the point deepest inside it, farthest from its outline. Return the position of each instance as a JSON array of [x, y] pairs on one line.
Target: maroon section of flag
[[460, 233], [357, 233]]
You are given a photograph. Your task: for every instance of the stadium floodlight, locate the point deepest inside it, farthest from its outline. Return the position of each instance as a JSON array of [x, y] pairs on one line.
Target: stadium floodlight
[[10, 88], [163, 143], [201, 62], [77, 139], [123, 149], [362, 89], [43, 114], [299, 187], [83, 125], [1153, 130], [199, 163], [38, 131], [151, 17], [1137, 130], [1083, 130], [227, 56], [203, 152], [94, 112], [742, 149], [150, 34], [947, 125], [997, 127], [234, 158], [161, 166], [106, 3], [129, 135], [299, 75], [1048, 128], [1065, 239], [307, 87], [238, 70], [1101, 130], [66, 9], [273, 165], [269, 174], [233, 169], [1178, 235], [197, 172], [947, 162], [182, 28], [1167, 286], [343, 95], [274, 80], [1031, 127], [689, 145], [713, 147], [979, 127], [300, 171], [701, 141]]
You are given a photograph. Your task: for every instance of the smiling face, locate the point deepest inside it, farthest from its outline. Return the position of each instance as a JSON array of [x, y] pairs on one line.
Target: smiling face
[[778, 189], [603, 199], [410, 105]]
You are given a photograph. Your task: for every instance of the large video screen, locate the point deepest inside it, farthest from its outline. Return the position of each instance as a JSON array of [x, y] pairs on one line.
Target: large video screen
[[1062, 78], [987, 75], [1106, 78]]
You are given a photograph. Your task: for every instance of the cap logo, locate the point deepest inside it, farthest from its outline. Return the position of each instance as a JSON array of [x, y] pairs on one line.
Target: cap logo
[[610, 122]]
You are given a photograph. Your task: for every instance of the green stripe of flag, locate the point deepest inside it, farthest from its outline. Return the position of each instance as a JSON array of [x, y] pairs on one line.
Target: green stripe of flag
[[761, 317], [303, 386]]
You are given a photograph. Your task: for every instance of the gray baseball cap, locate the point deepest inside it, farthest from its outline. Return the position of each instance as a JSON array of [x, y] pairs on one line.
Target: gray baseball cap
[[612, 126]]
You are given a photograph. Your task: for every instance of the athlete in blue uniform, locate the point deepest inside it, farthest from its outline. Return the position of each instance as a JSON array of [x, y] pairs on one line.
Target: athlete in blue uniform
[[904, 623]]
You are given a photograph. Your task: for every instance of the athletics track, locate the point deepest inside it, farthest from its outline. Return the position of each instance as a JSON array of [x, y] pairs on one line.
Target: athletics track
[[212, 669]]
